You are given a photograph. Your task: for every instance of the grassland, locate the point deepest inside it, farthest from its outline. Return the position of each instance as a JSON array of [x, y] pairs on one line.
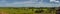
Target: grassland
[[23, 11]]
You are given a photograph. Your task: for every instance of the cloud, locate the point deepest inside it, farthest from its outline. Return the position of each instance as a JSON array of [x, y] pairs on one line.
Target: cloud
[[31, 3], [54, 1]]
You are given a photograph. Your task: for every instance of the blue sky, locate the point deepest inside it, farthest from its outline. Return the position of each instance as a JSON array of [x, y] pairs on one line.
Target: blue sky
[[27, 3]]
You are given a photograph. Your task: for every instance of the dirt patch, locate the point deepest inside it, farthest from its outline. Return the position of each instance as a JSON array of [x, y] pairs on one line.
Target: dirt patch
[[3, 13]]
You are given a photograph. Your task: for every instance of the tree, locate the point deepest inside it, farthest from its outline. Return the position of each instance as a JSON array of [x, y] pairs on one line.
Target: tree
[[39, 11]]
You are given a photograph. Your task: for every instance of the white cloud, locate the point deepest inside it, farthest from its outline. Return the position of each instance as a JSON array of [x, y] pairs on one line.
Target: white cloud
[[29, 4], [54, 1]]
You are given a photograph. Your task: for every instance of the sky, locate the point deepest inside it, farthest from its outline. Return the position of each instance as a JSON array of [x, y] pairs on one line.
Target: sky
[[29, 3]]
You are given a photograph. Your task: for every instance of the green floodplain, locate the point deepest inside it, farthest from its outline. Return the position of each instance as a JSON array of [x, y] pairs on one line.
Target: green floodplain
[[27, 10]]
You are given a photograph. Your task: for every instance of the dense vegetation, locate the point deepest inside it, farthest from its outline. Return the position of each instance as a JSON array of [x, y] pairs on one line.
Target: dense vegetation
[[28, 10]]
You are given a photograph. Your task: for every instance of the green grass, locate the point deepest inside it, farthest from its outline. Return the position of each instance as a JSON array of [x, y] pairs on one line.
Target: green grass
[[12, 11], [16, 11]]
